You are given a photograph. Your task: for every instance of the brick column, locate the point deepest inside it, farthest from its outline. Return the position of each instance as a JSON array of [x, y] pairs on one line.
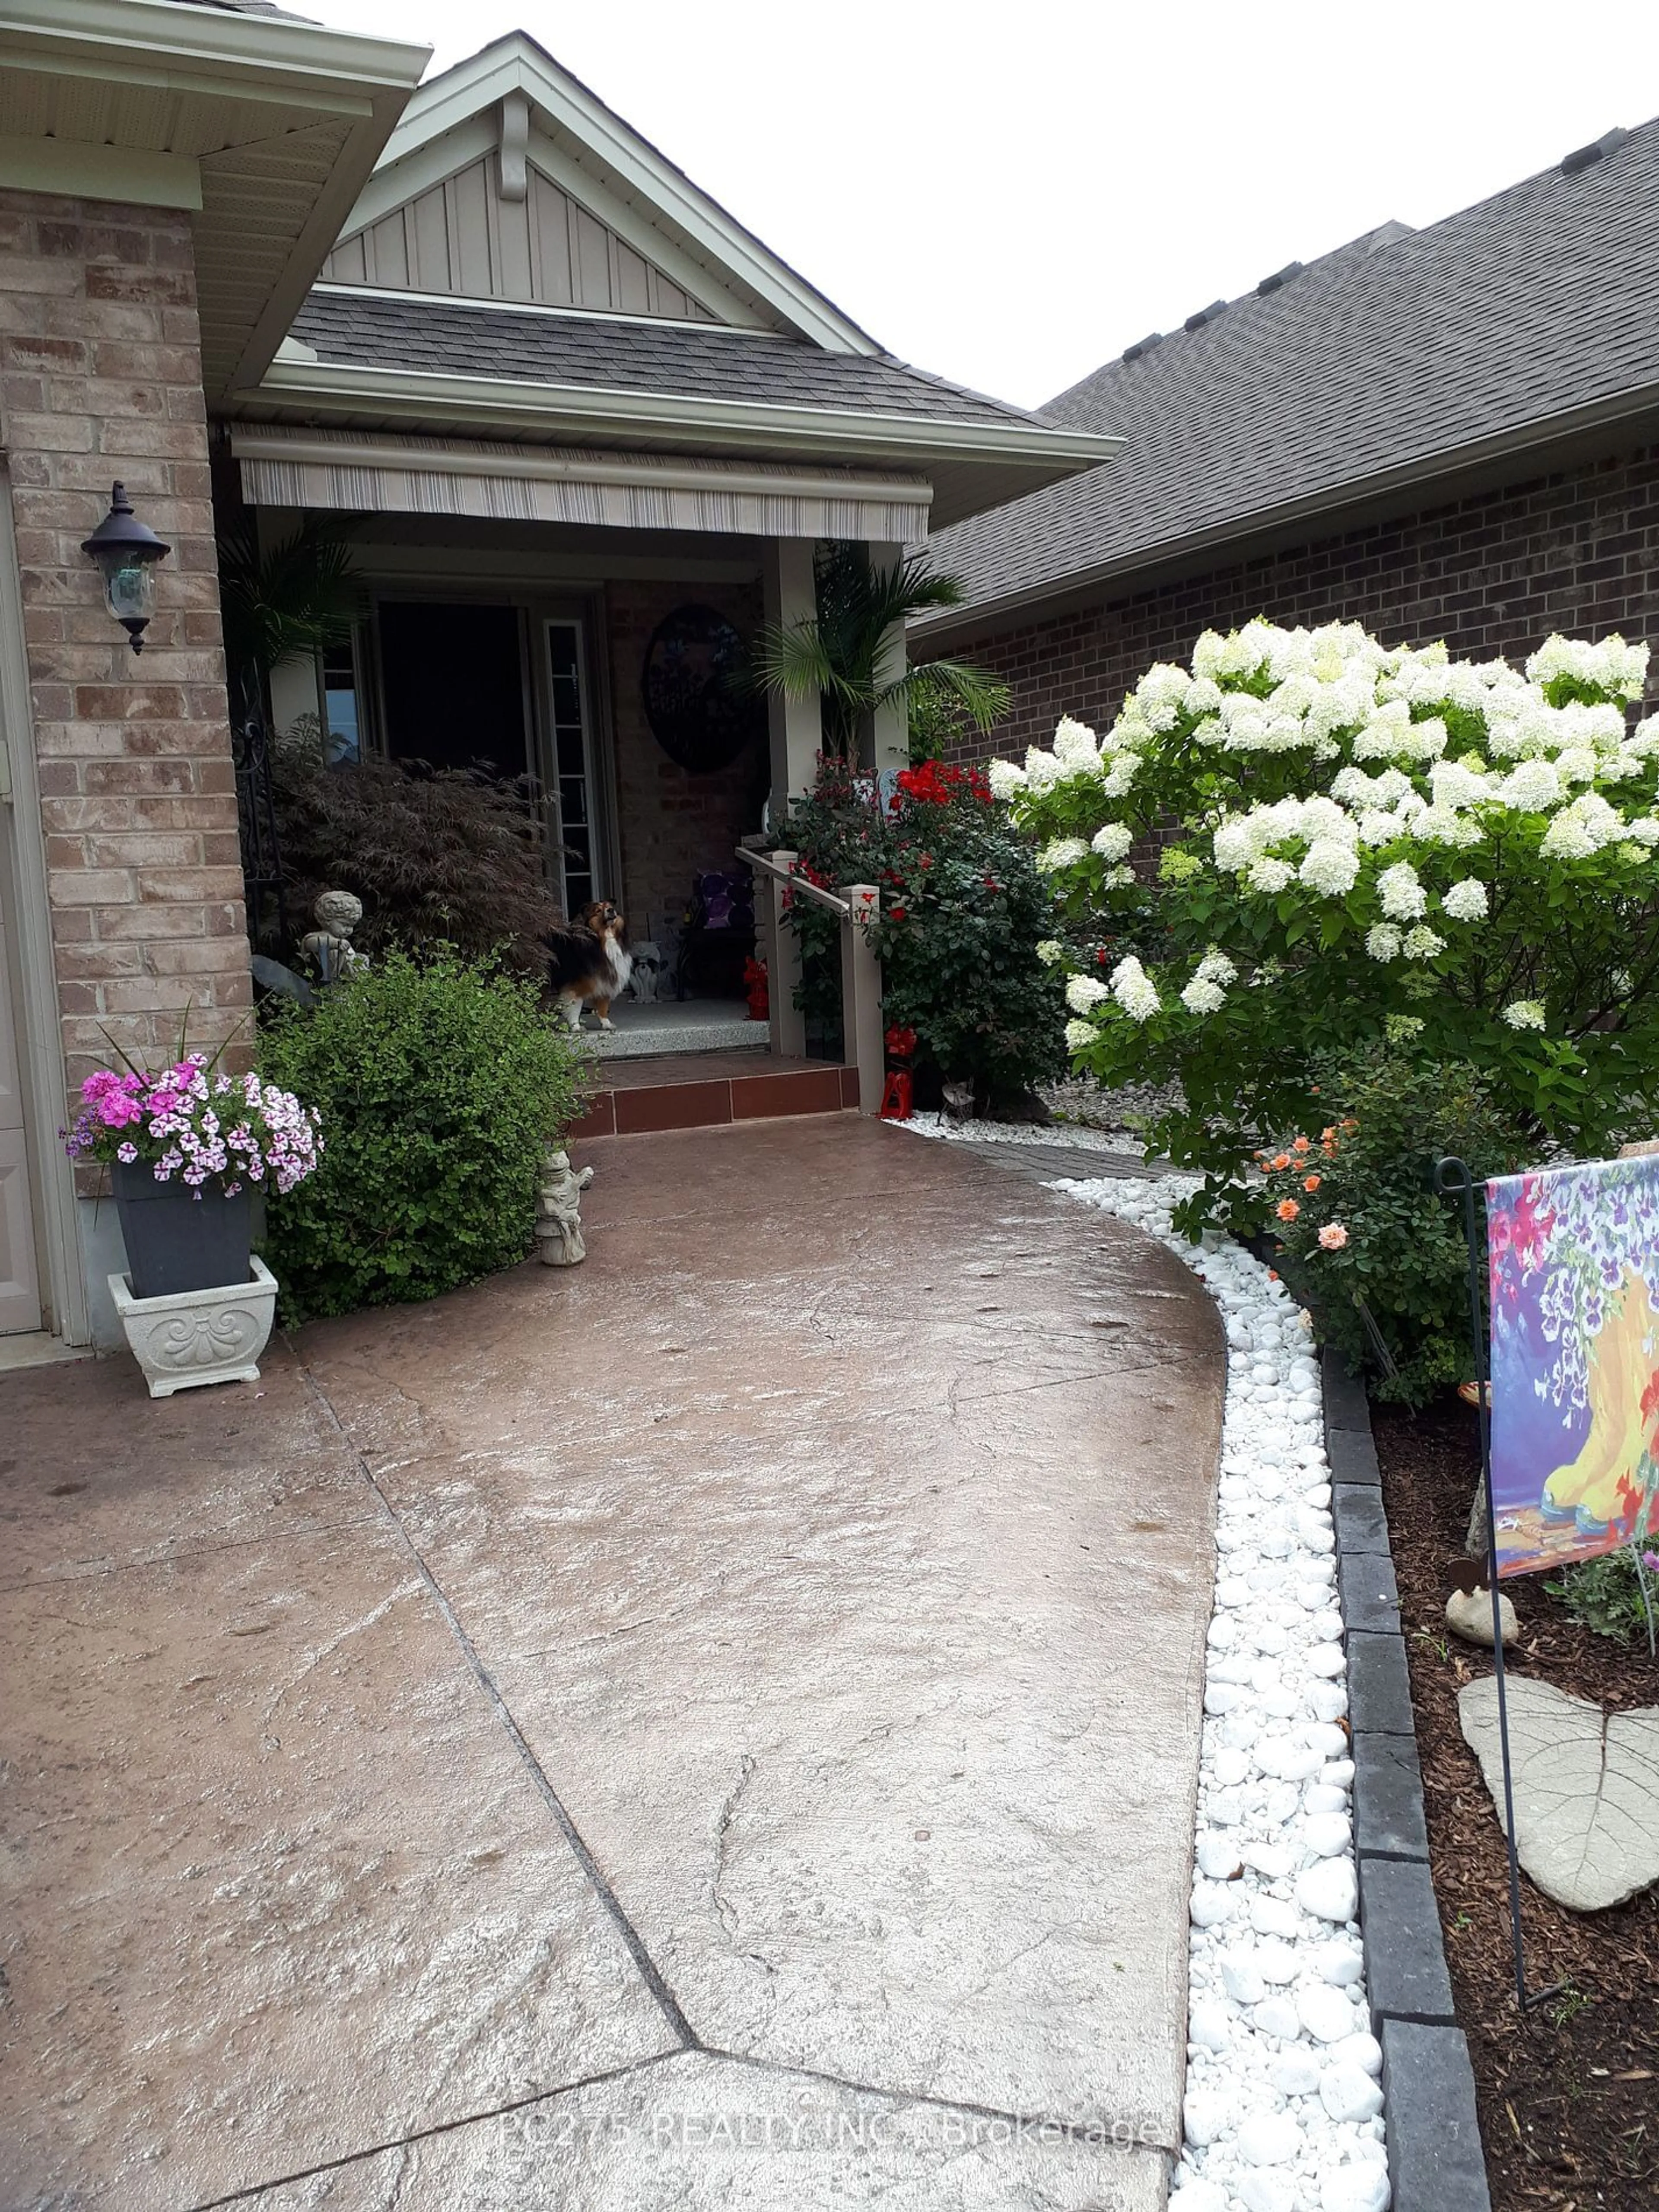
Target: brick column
[[100, 378]]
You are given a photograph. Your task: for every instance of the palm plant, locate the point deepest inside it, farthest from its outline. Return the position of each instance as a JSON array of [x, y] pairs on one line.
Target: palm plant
[[288, 601], [844, 654]]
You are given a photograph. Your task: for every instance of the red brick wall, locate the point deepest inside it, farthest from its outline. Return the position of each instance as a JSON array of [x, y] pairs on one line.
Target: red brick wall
[[100, 378], [1576, 552], [673, 825]]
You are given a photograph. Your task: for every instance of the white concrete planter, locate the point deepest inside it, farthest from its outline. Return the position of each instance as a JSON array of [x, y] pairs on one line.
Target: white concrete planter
[[198, 1336]]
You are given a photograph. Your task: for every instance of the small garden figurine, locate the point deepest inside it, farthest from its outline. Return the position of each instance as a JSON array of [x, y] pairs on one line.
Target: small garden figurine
[[337, 914], [558, 1226]]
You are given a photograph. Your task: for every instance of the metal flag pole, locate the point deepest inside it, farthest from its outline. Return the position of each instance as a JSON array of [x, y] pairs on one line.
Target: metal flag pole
[[1452, 1176]]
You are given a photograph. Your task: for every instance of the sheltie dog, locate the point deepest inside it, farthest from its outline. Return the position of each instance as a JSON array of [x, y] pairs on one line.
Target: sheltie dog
[[589, 964]]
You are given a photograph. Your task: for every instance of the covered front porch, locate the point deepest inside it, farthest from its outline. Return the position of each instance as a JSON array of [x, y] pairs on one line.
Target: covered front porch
[[600, 668]]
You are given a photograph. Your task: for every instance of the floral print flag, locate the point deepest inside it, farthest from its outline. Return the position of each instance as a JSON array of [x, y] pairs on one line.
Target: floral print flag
[[1574, 1260]]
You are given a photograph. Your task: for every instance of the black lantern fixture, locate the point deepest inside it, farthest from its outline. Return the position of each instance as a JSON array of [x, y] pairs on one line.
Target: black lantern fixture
[[126, 550]]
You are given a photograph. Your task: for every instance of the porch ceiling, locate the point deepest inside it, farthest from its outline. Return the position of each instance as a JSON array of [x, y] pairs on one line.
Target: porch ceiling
[[343, 469]]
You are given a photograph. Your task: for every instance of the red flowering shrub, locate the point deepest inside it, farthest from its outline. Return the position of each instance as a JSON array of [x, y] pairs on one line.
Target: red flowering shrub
[[963, 909]]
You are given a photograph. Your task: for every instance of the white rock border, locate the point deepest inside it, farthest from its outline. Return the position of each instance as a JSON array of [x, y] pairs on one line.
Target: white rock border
[[1283, 2104], [1066, 1136]]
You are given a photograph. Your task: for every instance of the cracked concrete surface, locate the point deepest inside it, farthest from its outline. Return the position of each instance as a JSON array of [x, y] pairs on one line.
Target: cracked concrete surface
[[716, 1727]]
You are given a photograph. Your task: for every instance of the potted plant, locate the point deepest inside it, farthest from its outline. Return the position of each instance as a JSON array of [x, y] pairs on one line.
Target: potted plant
[[185, 1147]]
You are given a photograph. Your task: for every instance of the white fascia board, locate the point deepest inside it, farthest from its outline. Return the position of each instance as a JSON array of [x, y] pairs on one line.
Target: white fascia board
[[132, 174], [273, 442], [516, 64], [587, 410], [342, 288], [228, 51]]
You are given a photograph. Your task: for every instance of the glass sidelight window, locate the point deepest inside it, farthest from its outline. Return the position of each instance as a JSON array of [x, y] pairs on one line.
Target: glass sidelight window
[[342, 734], [573, 765]]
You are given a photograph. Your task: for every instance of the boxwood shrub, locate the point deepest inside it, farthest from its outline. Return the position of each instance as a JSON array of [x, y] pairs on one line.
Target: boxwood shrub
[[440, 1084]]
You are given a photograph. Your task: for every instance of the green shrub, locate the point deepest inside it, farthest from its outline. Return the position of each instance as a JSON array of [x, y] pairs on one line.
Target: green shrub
[[1616, 1596], [1373, 1252], [1362, 842], [440, 1086], [964, 911]]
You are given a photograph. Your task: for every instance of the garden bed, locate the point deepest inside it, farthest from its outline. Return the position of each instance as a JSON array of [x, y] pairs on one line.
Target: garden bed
[[1568, 2095]]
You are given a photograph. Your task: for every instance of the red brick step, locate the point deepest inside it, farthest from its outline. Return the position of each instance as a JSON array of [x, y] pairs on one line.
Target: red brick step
[[702, 1090]]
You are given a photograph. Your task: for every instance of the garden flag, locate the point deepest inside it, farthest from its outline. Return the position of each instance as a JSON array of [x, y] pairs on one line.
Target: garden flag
[[1574, 1260]]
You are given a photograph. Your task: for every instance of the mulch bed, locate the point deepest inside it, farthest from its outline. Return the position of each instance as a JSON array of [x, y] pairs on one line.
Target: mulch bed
[[1568, 2094]]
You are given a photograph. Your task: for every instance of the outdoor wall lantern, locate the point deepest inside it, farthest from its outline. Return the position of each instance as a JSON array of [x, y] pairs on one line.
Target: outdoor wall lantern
[[126, 550]]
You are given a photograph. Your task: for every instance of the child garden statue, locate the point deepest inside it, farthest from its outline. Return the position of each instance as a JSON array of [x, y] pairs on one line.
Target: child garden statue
[[558, 1226]]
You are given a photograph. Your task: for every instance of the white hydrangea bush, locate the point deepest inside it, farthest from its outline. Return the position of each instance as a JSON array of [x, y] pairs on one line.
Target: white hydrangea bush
[[1359, 844]]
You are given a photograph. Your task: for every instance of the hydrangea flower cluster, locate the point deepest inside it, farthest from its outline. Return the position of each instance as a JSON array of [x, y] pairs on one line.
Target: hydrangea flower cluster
[[230, 1130], [1368, 835]]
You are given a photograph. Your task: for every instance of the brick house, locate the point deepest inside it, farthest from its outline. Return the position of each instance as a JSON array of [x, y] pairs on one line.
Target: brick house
[[1448, 433], [563, 406]]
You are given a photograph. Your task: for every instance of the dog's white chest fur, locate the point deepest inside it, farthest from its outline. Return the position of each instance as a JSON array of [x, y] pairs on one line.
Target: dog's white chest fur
[[619, 966]]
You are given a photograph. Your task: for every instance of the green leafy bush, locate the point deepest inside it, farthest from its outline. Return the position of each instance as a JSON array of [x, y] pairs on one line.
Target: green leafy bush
[[440, 1086], [1361, 843], [1616, 1596], [964, 911], [1366, 1243]]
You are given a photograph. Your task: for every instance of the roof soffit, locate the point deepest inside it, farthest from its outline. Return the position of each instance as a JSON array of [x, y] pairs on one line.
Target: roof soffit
[[283, 119]]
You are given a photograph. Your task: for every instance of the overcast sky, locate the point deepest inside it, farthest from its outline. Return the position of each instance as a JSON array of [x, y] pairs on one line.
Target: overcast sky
[[1008, 195]]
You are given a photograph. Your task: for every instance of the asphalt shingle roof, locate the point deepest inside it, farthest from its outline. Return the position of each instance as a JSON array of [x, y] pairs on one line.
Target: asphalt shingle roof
[[249, 8], [1396, 351], [375, 330]]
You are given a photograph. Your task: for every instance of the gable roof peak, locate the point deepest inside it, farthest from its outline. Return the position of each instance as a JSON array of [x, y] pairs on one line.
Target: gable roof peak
[[598, 143]]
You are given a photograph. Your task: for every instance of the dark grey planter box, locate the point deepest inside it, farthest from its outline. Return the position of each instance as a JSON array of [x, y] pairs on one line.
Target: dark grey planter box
[[177, 1238]]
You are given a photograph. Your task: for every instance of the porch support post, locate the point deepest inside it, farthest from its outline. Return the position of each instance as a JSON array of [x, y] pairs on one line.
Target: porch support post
[[888, 737], [785, 1018], [860, 995], [796, 726]]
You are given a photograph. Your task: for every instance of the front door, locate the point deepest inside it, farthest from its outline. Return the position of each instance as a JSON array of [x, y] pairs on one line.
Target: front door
[[20, 1288], [453, 677]]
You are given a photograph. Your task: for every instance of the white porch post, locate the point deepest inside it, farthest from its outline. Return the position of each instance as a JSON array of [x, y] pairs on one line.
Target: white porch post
[[888, 737], [796, 727], [860, 995]]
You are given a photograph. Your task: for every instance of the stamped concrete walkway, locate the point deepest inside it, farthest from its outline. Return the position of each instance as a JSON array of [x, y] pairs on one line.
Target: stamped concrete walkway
[[714, 1729]]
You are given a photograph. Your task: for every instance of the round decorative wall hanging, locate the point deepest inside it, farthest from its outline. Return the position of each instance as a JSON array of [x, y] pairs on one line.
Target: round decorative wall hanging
[[695, 701]]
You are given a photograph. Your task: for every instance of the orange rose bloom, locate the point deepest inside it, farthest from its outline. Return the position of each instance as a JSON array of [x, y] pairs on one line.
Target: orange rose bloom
[[1300, 1145], [1282, 1160], [1287, 1209], [1327, 1136], [1311, 1182]]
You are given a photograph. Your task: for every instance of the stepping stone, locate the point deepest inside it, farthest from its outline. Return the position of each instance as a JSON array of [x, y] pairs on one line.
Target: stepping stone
[[1586, 1789]]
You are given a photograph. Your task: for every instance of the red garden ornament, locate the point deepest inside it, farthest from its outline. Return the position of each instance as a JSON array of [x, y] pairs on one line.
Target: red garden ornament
[[898, 1094], [760, 1002]]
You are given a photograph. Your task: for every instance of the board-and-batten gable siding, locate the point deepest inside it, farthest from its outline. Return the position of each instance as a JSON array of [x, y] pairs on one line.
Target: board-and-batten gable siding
[[461, 236]]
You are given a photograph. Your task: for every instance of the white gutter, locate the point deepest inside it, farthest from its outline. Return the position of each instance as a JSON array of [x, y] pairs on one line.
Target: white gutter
[[579, 408], [226, 46]]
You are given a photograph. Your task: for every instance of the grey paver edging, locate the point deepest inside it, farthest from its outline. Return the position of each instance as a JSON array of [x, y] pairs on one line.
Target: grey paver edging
[[1435, 2158]]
